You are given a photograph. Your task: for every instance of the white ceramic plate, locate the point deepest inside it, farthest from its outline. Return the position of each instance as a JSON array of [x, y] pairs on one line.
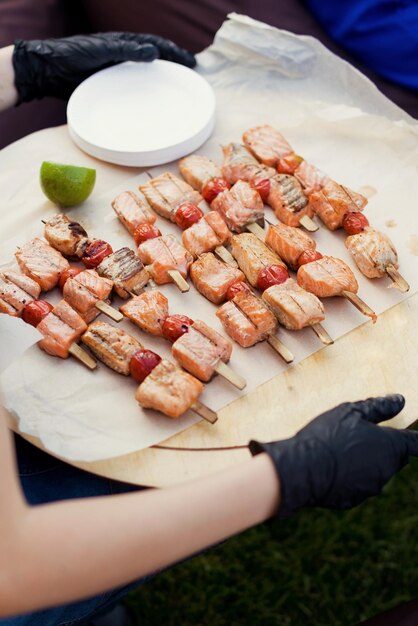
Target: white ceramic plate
[[142, 114]]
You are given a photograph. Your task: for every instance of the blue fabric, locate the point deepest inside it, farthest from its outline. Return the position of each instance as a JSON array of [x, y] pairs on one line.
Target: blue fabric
[[45, 479], [383, 34]]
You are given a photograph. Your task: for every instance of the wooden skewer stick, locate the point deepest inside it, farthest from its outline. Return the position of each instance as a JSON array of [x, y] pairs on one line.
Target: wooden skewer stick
[[256, 230], [280, 348], [108, 310], [228, 373], [320, 331], [205, 412], [178, 279], [82, 356], [308, 223], [398, 281], [226, 256], [359, 304]]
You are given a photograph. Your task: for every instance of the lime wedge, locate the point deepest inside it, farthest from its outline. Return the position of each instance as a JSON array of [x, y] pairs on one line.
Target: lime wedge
[[66, 185]]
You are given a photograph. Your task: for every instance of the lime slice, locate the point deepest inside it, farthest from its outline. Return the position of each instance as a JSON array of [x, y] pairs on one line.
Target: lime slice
[[66, 185]]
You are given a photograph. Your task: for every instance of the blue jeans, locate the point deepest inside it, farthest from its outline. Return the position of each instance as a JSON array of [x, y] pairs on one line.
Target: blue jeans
[[45, 479]]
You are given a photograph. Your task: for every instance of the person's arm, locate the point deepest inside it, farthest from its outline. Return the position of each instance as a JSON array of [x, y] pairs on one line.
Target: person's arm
[[8, 92]]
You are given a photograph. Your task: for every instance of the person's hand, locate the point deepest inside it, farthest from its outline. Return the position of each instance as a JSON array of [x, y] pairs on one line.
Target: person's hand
[[54, 67], [342, 457]]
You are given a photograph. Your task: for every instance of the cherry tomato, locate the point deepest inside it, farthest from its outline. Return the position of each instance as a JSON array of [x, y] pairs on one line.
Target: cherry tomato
[[187, 214], [142, 363], [354, 223], [35, 311], [214, 187], [271, 275], [69, 272], [95, 252], [308, 256], [236, 288], [263, 188], [174, 326], [144, 232], [289, 163]]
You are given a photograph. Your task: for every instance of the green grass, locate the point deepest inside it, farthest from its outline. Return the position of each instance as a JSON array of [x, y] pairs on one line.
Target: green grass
[[319, 568]]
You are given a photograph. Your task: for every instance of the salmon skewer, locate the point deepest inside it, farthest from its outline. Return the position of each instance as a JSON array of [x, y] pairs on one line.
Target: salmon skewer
[[132, 210], [16, 290], [164, 387], [165, 193], [247, 320], [166, 260], [212, 278], [333, 201], [289, 243], [41, 262], [66, 236], [88, 294], [375, 256], [126, 271], [330, 276], [62, 328]]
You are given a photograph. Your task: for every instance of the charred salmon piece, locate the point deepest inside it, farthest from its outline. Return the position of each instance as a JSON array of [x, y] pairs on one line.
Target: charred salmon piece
[[287, 199], [310, 177], [266, 144], [168, 389], [24, 282], [113, 346], [125, 270], [326, 277], [148, 311], [206, 234], [13, 298], [252, 255], [132, 210], [246, 319], [294, 307], [212, 278], [166, 192], [288, 242], [239, 164], [333, 201], [162, 254], [198, 170], [83, 291], [373, 251], [41, 262], [239, 206], [200, 350], [67, 236], [61, 328]]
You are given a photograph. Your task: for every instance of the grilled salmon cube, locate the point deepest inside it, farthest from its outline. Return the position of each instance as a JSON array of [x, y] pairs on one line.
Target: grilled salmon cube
[[213, 278], [198, 170], [266, 144], [252, 256], [16, 290], [333, 201], [125, 270], [166, 192], [41, 262], [327, 277], [84, 290], [200, 350], [287, 199], [288, 242], [67, 236], [373, 251], [310, 177], [293, 306], [239, 206], [148, 311], [162, 254], [61, 328], [113, 346], [239, 164], [132, 210], [206, 234], [246, 319], [168, 389]]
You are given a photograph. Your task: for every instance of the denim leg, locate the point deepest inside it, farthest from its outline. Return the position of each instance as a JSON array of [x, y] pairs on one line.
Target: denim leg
[[45, 479]]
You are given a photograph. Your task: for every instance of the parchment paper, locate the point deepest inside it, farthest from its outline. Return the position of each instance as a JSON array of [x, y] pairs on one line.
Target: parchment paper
[[331, 115]]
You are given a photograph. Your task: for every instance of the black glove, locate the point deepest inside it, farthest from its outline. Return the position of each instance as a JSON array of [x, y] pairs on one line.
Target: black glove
[[342, 457], [54, 67]]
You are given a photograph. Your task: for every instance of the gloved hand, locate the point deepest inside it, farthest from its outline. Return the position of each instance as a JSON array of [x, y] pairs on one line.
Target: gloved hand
[[54, 67], [342, 457]]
